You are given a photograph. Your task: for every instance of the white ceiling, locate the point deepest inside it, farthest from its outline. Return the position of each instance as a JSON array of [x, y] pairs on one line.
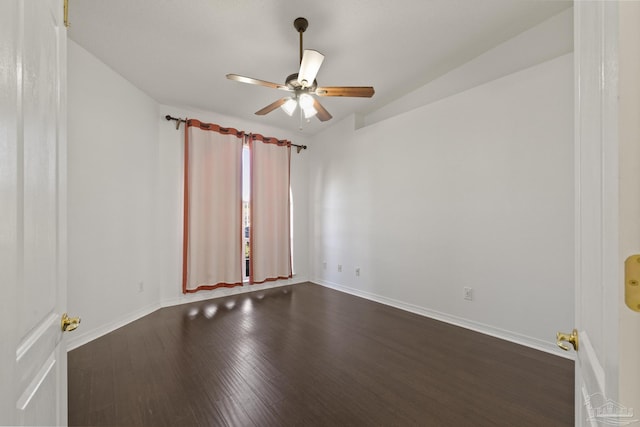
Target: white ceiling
[[179, 52]]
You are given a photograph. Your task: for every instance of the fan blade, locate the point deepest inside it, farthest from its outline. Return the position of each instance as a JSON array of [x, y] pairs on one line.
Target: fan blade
[[269, 108], [322, 114], [355, 91], [309, 66], [252, 81]]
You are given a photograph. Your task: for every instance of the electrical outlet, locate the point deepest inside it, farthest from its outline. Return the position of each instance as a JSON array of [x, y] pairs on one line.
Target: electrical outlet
[[357, 271], [324, 265], [141, 287], [468, 293], [339, 268]]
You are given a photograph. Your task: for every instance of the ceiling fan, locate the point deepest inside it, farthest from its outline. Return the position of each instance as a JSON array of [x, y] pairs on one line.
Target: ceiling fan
[[302, 85]]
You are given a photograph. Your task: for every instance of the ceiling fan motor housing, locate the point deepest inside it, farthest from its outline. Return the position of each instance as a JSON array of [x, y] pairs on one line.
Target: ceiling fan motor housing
[[293, 83]]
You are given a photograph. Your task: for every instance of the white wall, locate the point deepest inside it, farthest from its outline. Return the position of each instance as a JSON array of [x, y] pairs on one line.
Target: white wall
[[113, 154], [125, 200], [171, 145], [472, 190]]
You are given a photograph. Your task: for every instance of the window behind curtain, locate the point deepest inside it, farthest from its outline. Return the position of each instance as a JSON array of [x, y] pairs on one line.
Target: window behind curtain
[[246, 214], [237, 208]]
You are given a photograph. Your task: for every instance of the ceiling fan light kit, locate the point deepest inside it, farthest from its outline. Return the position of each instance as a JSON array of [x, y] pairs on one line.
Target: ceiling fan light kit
[[304, 85], [289, 106], [306, 105]]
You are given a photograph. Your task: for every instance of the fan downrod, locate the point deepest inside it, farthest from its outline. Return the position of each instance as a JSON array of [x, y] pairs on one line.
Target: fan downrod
[[300, 24]]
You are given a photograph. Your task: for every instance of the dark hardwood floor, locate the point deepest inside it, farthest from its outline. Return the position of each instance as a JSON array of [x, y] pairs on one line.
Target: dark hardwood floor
[[307, 355]]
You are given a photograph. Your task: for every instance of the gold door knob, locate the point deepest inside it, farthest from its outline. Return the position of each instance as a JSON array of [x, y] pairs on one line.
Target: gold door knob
[[571, 338], [68, 324]]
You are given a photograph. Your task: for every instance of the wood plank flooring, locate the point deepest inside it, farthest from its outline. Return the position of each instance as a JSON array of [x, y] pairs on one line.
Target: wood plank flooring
[[311, 356]]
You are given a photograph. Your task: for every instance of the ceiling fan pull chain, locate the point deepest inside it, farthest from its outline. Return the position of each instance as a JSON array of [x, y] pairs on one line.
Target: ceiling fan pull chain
[[300, 125]]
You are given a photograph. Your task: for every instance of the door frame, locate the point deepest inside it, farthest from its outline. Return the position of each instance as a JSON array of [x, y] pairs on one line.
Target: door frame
[[608, 174], [596, 204]]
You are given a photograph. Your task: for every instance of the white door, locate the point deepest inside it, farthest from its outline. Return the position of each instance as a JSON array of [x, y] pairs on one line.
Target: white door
[[602, 385], [32, 212]]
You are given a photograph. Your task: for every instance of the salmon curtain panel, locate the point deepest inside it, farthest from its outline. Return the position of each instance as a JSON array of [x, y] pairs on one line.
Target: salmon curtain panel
[[270, 232], [212, 252]]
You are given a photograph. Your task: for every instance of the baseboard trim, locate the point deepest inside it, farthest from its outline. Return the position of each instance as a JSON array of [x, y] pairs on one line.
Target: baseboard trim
[[78, 340], [535, 343], [225, 292]]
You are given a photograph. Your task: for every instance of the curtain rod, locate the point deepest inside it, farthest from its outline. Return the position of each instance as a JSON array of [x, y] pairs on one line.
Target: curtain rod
[[178, 120]]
